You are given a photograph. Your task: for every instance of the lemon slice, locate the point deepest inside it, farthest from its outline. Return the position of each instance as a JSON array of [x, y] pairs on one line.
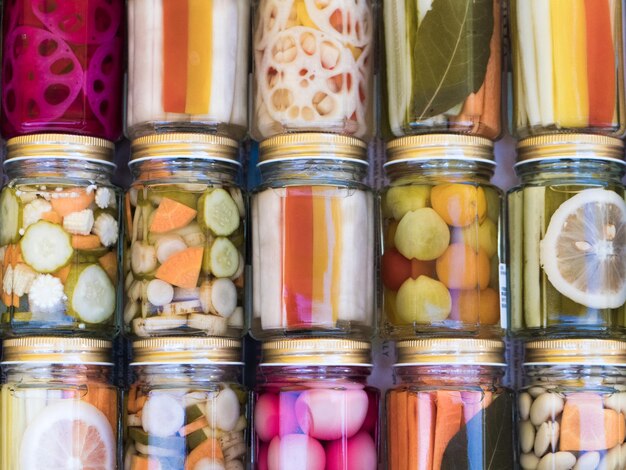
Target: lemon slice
[[583, 252], [68, 435]]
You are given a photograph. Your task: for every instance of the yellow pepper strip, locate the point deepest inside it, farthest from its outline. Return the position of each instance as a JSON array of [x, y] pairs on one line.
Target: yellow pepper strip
[[199, 57], [569, 44]]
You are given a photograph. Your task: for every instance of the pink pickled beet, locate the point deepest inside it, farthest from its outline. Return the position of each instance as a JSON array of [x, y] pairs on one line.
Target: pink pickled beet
[[266, 416], [331, 414], [81, 21], [41, 78], [371, 419], [359, 453], [287, 415], [296, 452], [261, 463]]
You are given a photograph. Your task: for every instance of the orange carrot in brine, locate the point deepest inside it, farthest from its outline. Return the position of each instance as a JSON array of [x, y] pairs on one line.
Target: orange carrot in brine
[[413, 432], [448, 423], [426, 418], [175, 34], [403, 431], [600, 63], [392, 428]]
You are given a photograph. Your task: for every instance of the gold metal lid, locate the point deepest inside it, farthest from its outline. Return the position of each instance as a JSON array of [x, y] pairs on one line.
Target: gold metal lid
[[60, 146], [559, 146], [440, 146], [57, 350], [575, 351], [185, 145], [450, 351], [312, 145], [316, 351], [188, 350]]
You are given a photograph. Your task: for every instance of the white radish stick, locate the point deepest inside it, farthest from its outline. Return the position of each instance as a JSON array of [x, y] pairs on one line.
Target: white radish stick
[[398, 64], [157, 112], [240, 104], [130, 119], [423, 7], [526, 43], [543, 47], [144, 70]]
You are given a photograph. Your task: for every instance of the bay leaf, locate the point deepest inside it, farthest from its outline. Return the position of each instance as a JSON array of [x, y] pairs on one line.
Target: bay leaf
[[450, 54], [486, 441]]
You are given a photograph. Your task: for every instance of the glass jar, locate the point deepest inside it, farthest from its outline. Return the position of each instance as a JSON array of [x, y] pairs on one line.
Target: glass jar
[[63, 67], [308, 213], [568, 67], [188, 67], [187, 407], [571, 406], [313, 406], [59, 236], [567, 229], [313, 68], [185, 214], [443, 74], [449, 408], [442, 238], [57, 395]]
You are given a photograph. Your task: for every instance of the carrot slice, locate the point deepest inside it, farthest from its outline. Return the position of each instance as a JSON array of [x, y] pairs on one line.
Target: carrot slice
[[193, 426], [448, 423], [175, 16], [131, 401], [129, 217], [600, 63], [298, 255], [208, 449], [109, 264], [200, 56], [143, 462], [53, 217], [71, 200], [182, 269], [171, 215], [85, 242], [62, 273]]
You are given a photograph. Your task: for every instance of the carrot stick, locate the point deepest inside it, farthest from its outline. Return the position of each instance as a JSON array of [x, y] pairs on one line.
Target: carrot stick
[[449, 420], [392, 430], [403, 431], [52, 217], [427, 414], [131, 401], [321, 313], [129, 217], [600, 63], [413, 436], [62, 273], [85, 242], [175, 29]]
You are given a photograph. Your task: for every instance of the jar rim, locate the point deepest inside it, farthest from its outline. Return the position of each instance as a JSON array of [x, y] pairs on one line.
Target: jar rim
[[337, 159], [450, 351], [177, 350], [570, 144], [184, 145], [49, 349], [61, 147], [585, 159], [575, 351], [312, 145], [438, 146], [316, 352], [439, 158]]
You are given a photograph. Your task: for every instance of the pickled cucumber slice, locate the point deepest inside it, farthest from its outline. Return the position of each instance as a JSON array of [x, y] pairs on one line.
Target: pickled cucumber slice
[[10, 217], [218, 212], [223, 258], [90, 293], [46, 247]]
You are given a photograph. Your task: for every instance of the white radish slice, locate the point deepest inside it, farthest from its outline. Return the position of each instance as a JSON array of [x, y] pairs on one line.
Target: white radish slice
[[160, 292], [331, 414], [284, 451], [358, 454], [162, 415], [236, 319], [168, 245], [223, 411], [211, 325], [349, 23], [155, 451]]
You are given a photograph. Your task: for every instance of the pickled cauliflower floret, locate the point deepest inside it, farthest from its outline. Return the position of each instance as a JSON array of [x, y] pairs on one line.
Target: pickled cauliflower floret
[[106, 228], [104, 197], [34, 210], [46, 295]]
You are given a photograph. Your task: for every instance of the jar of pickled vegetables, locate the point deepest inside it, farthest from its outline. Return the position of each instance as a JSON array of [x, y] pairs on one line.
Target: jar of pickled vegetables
[[59, 236], [187, 407], [63, 67], [59, 409], [449, 408], [310, 211], [313, 406], [568, 67], [567, 229], [313, 67], [185, 216], [572, 405], [188, 67], [443, 67], [442, 238]]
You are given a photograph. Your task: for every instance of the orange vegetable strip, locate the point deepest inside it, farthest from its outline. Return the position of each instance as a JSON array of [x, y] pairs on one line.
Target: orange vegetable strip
[[175, 28], [322, 251], [426, 414], [63, 273], [403, 431], [298, 255], [200, 56], [85, 242], [448, 423], [335, 285], [600, 63], [392, 430], [413, 435]]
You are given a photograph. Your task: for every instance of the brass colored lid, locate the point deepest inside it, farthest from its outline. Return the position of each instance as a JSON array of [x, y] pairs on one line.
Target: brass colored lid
[[559, 146], [185, 145], [67, 146], [575, 351], [312, 145], [440, 146], [316, 351], [450, 351], [186, 350], [47, 349]]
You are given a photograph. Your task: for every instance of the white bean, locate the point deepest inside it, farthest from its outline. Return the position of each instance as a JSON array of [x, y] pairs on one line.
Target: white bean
[[528, 461], [610, 460], [557, 461], [545, 408], [546, 438], [536, 391], [587, 461], [616, 401], [526, 436], [524, 405]]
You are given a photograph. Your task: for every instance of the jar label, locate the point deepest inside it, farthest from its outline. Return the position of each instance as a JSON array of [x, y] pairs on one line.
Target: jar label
[[503, 293]]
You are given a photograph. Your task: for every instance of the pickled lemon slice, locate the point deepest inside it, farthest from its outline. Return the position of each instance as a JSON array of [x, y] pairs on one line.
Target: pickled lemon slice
[[583, 252]]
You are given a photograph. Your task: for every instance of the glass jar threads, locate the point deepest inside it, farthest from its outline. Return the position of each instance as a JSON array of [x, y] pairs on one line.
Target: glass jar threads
[[448, 408], [59, 236], [313, 68], [568, 67], [187, 407], [63, 67], [312, 406], [185, 216], [56, 396], [567, 237], [443, 74], [313, 238], [442, 232], [188, 67], [571, 406]]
